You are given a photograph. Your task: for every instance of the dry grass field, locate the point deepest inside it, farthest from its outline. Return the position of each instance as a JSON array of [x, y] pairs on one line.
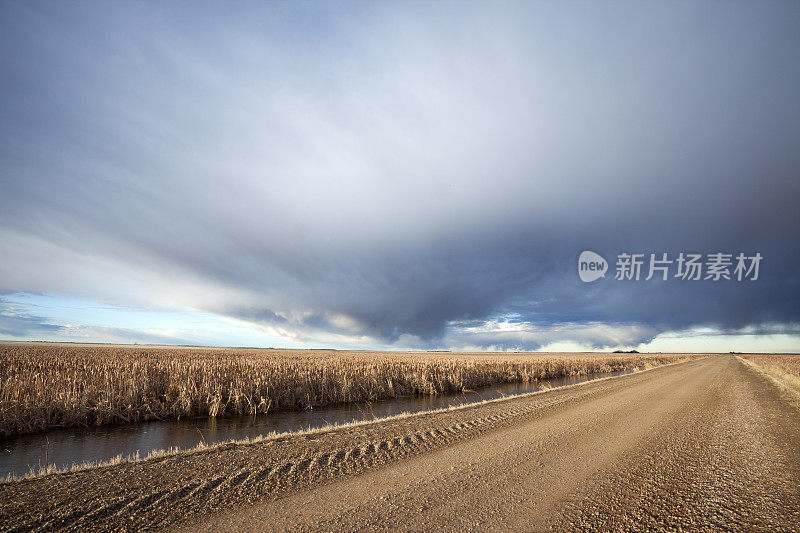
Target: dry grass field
[[786, 366], [43, 386]]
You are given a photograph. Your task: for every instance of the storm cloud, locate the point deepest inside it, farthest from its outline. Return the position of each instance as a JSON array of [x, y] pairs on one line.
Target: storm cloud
[[408, 174]]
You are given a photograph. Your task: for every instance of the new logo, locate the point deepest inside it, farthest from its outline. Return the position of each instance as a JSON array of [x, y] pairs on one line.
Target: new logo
[[591, 266]]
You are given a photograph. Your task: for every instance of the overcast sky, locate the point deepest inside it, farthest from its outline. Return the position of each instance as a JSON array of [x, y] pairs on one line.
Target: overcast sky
[[397, 175]]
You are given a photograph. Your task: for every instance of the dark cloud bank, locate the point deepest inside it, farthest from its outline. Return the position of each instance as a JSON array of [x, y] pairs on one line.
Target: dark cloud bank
[[404, 173]]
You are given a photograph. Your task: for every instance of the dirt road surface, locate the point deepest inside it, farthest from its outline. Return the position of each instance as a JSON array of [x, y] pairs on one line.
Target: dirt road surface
[[705, 445], [711, 444]]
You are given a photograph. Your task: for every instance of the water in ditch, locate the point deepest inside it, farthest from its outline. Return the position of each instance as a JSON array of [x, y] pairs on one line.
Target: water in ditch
[[64, 447]]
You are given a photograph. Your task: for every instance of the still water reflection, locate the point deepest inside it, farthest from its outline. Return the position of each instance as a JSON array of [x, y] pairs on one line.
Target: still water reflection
[[76, 445]]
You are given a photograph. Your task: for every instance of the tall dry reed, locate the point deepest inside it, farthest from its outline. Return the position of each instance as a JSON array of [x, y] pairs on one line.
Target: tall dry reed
[[43, 386]]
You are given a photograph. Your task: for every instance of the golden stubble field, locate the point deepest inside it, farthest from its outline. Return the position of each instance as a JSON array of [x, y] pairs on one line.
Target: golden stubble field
[[786, 367], [48, 385]]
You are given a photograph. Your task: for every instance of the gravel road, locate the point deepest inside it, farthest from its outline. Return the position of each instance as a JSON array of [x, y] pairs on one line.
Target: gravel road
[[710, 444]]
